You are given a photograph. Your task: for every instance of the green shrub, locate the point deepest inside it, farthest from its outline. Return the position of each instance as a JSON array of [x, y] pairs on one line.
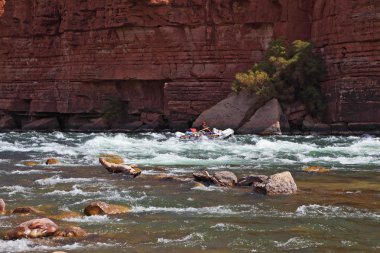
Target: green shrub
[[287, 73]]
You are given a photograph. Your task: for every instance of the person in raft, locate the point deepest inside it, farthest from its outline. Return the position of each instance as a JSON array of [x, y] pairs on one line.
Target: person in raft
[[205, 128]]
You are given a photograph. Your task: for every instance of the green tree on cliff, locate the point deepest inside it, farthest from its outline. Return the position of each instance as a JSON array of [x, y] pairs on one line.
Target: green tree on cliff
[[287, 73]]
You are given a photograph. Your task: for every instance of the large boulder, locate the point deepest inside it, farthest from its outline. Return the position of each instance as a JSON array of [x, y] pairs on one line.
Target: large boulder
[[102, 208], [35, 228], [269, 119], [42, 124], [280, 183], [230, 112], [2, 206]]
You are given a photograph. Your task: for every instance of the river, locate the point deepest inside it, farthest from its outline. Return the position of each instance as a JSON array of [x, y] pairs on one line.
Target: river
[[337, 211]]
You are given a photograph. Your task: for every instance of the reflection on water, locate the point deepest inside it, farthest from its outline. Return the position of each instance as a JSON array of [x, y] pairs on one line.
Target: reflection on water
[[335, 211]]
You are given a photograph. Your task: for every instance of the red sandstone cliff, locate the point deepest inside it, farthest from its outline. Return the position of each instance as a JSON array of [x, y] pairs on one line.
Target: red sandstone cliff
[[347, 31], [69, 59]]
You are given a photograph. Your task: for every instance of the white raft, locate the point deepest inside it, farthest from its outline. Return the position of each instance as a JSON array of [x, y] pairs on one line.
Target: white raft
[[203, 135]]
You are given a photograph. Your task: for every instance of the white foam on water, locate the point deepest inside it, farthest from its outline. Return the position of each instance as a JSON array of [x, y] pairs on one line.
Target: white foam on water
[[334, 211], [227, 227], [211, 188], [74, 192], [162, 149], [26, 245], [222, 210], [15, 189], [26, 172], [191, 237], [58, 180], [297, 243], [90, 219]]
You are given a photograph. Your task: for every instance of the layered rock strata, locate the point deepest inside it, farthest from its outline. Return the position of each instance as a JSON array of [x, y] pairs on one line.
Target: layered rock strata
[[111, 64]]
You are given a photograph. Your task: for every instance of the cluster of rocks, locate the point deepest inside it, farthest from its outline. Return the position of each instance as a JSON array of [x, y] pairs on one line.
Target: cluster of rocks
[[49, 161], [280, 183], [247, 113], [45, 227]]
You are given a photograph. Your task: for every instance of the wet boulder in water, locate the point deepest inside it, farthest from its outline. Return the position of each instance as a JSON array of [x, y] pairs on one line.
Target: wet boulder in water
[[2, 206], [71, 232], [120, 168], [26, 210], [102, 208], [251, 179], [316, 169], [35, 228], [113, 158], [30, 163], [221, 178], [280, 183], [225, 178], [51, 161]]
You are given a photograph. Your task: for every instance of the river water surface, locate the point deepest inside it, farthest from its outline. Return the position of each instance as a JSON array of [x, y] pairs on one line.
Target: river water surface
[[338, 211]]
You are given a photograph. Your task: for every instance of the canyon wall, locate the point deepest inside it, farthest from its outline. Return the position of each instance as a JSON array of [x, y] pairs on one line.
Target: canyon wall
[[165, 61], [347, 32]]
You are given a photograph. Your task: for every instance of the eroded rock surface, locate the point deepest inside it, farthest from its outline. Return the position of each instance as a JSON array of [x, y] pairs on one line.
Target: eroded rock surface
[[102, 208], [35, 228], [280, 183]]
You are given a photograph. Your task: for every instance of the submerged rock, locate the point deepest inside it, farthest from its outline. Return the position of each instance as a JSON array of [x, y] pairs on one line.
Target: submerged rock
[[113, 158], [102, 208], [221, 178], [52, 161], [316, 169], [2, 206], [30, 163], [26, 210], [71, 232], [280, 183], [120, 168], [35, 228]]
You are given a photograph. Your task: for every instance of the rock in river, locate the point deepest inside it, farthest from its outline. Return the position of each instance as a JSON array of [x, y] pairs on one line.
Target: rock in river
[[2, 206], [221, 178], [280, 183], [120, 168], [102, 208], [35, 228], [26, 210], [71, 232]]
